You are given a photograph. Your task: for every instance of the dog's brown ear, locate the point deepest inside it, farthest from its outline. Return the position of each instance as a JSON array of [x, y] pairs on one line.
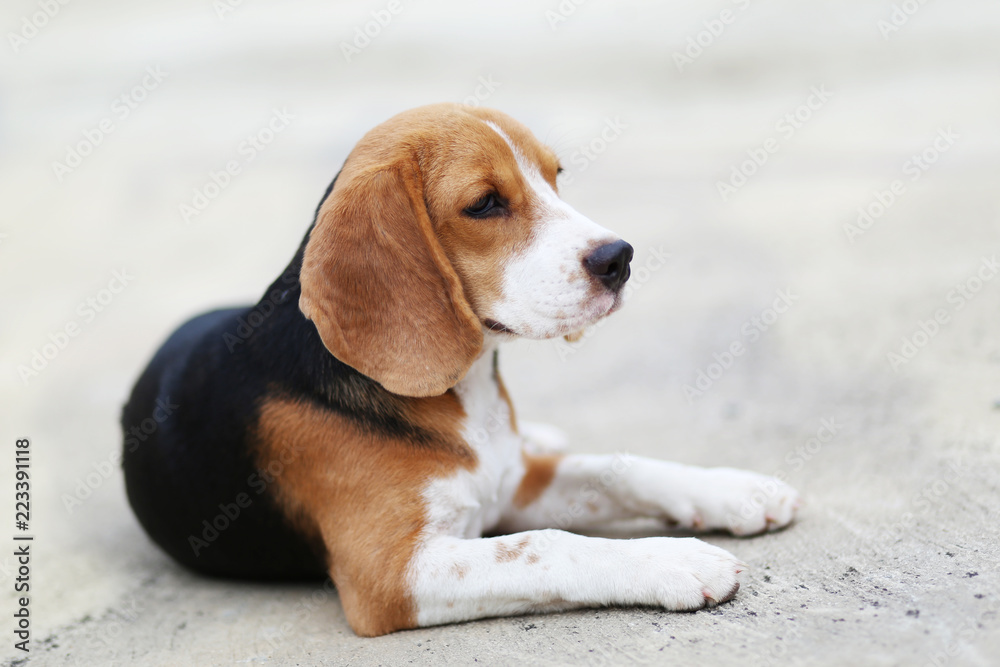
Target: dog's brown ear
[[380, 289]]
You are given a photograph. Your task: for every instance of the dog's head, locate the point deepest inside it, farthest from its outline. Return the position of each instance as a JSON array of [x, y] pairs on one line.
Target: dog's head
[[443, 227]]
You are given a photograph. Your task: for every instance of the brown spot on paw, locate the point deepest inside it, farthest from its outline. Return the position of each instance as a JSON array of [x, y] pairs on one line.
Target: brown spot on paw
[[505, 553]]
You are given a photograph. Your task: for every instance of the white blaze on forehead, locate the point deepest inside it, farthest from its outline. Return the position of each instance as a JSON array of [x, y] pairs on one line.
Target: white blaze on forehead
[[546, 291], [546, 195]]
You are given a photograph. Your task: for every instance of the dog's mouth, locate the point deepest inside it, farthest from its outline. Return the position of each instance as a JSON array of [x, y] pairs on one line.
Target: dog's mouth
[[566, 326], [497, 327]]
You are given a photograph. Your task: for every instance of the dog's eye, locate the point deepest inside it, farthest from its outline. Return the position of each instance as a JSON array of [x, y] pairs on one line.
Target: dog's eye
[[486, 205]]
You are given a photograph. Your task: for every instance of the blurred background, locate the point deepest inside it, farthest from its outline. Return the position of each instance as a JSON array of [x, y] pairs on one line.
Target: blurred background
[[814, 184]]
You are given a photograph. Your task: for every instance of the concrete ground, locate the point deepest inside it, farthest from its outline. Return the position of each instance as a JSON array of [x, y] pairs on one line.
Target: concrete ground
[[858, 149]]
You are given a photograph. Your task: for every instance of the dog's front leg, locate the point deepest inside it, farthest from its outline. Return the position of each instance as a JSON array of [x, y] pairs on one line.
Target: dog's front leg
[[585, 491], [455, 579]]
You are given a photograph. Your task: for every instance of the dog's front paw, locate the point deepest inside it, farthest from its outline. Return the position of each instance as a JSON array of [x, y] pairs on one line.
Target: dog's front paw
[[690, 574], [747, 503], [738, 501]]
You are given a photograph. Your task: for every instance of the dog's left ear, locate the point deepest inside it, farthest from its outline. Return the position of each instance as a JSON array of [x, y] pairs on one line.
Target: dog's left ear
[[380, 289]]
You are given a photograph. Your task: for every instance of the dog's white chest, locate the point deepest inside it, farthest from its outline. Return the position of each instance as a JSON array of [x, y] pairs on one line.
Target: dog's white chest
[[470, 502]]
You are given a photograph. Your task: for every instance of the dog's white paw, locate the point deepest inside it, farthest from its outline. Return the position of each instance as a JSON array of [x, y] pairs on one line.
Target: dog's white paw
[[687, 574], [543, 438], [747, 503], [738, 501]]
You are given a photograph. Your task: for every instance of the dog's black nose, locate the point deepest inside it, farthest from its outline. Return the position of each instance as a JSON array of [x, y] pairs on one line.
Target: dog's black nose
[[609, 264]]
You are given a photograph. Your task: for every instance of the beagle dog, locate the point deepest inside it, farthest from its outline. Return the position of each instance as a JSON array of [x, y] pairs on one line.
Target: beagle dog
[[353, 423]]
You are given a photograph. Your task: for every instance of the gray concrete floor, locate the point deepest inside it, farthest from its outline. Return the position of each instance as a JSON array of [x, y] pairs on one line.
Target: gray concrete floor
[[893, 561]]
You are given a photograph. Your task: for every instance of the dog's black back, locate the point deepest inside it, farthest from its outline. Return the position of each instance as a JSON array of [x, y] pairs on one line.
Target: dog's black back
[[187, 480], [188, 458]]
